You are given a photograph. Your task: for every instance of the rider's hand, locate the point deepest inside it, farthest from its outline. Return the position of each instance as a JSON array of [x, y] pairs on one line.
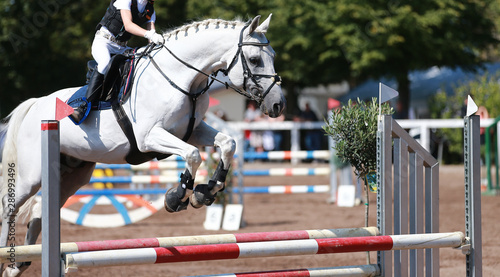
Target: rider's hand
[[154, 37]]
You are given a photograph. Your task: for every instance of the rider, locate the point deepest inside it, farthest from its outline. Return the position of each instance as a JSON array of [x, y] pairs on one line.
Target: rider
[[120, 22]]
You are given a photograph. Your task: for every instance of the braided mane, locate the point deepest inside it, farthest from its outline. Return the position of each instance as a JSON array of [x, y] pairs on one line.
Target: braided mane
[[204, 24]]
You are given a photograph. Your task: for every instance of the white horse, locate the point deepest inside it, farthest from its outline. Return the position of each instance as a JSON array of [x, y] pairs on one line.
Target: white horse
[[167, 95]]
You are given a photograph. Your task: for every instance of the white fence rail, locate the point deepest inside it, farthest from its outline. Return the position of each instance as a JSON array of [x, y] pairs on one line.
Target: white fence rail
[[425, 126]]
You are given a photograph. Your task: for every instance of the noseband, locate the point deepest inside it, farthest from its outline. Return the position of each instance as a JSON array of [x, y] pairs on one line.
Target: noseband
[[247, 73]]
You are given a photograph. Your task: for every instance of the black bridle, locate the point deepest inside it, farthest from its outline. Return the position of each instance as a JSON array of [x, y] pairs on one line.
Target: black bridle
[[247, 73]]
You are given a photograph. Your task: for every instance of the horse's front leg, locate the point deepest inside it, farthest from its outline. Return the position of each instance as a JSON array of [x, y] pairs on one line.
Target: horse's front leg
[[204, 135], [159, 140]]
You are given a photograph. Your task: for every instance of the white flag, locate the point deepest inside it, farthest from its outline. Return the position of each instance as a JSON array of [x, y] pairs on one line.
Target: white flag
[[471, 106], [386, 93]]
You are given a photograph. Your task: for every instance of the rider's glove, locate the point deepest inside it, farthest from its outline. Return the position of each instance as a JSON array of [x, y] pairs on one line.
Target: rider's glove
[[154, 37]]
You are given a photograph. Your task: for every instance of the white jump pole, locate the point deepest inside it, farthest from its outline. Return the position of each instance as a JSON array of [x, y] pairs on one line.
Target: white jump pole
[[51, 230]]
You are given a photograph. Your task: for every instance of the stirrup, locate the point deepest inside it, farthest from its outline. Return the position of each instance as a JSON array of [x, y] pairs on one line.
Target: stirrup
[[81, 112]]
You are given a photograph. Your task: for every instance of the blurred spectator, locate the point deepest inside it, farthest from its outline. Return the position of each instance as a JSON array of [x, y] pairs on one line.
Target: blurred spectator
[[312, 138], [253, 139], [221, 114], [399, 113], [277, 134]]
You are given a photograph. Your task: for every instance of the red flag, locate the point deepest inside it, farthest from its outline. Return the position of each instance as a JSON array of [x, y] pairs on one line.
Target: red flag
[[213, 102], [62, 109], [333, 103]]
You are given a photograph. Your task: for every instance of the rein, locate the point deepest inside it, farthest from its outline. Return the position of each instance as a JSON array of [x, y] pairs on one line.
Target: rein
[[247, 74]]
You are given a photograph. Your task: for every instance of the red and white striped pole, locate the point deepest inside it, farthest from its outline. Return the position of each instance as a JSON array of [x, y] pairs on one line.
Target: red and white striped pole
[[33, 252], [351, 271], [260, 249]]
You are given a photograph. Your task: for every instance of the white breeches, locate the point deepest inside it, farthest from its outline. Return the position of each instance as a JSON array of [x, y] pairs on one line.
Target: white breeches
[[102, 49]]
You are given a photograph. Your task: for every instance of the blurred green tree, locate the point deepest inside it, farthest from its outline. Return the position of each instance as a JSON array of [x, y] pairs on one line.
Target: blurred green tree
[[45, 45], [484, 90], [321, 42], [305, 55], [391, 38]]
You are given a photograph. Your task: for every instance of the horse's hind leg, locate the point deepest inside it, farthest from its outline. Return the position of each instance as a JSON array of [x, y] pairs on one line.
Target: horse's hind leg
[[34, 228], [74, 174], [12, 202]]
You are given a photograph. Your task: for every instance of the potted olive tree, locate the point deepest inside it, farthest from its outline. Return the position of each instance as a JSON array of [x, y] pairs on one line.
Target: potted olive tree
[[353, 127]]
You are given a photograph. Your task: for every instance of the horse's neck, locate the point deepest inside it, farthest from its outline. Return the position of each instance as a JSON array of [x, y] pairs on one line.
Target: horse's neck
[[203, 49], [152, 96]]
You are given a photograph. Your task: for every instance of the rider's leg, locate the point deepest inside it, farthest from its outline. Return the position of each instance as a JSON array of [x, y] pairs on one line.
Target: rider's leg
[[102, 49], [93, 94]]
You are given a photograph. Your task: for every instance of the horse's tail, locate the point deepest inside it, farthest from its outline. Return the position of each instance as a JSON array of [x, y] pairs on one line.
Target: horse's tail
[[9, 151]]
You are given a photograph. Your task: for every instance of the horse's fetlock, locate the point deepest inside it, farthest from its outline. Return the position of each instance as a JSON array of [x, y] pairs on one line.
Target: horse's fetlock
[[218, 187], [202, 196], [228, 148]]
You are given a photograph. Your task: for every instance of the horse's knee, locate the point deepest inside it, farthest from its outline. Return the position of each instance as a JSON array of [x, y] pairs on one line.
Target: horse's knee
[[227, 146], [193, 160]]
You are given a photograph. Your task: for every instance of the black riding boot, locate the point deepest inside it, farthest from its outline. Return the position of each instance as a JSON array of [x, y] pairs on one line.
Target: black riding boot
[[93, 93]]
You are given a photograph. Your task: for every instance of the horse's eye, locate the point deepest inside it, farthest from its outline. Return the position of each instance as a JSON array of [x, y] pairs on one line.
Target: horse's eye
[[254, 60]]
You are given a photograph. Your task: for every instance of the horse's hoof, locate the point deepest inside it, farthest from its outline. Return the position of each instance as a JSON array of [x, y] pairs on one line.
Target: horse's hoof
[[196, 201], [201, 196], [11, 271], [173, 203]]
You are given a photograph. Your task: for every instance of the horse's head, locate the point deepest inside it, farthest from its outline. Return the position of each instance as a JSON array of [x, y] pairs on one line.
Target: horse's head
[[252, 68]]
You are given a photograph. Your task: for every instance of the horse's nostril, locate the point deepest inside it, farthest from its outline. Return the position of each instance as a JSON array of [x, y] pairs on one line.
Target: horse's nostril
[[277, 108]]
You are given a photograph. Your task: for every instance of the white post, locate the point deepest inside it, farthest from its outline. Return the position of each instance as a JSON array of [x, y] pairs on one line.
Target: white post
[[51, 232], [472, 164], [295, 142], [425, 137], [333, 167]]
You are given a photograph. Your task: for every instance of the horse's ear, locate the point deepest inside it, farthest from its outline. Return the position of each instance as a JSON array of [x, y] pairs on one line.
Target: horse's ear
[[254, 25], [265, 25]]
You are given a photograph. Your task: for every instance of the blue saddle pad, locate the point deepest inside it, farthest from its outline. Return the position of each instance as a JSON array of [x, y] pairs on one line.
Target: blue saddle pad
[[77, 98]]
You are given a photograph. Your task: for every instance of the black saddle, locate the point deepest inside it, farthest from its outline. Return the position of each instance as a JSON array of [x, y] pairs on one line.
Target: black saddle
[[116, 85]]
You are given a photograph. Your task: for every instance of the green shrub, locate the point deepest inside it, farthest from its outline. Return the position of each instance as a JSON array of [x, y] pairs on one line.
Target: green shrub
[[354, 129]]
